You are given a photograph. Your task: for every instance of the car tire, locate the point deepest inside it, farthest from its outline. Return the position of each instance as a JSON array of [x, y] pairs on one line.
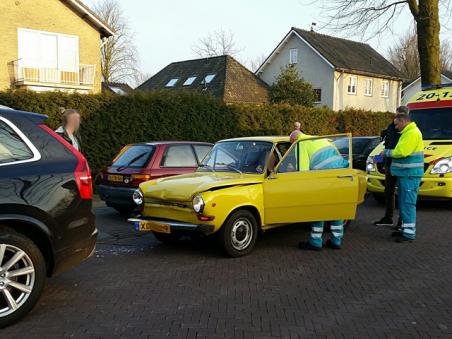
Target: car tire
[[167, 238], [31, 283], [238, 234]]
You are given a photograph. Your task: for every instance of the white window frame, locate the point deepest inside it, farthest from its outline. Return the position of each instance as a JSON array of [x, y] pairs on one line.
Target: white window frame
[[58, 35], [384, 93], [33, 149], [172, 82], [350, 86], [293, 56], [368, 87], [189, 81]]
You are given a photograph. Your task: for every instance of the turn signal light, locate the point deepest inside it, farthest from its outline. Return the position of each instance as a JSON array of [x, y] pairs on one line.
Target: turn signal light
[[203, 217], [139, 178]]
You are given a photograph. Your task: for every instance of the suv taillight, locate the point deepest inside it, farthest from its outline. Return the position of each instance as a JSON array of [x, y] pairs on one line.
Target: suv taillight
[[82, 172]]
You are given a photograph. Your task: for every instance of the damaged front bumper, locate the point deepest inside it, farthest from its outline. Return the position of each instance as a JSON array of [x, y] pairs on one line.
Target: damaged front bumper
[[143, 224]]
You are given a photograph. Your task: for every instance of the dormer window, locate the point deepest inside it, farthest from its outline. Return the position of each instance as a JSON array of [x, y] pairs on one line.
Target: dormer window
[[172, 82], [208, 79], [189, 81]]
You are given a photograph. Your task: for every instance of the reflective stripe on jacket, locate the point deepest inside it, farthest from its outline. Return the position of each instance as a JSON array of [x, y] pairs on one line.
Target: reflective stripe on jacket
[[318, 154], [408, 155]]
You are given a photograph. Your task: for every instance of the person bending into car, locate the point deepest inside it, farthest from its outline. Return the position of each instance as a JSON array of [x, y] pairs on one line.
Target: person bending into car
[[320, 154], [69, 131]]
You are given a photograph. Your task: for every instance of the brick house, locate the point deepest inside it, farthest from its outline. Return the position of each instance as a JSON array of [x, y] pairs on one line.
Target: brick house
[[51, 45], [221, 76]]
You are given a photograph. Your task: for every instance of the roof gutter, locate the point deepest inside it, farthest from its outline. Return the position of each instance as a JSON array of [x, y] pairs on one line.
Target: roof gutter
[[384, 76]]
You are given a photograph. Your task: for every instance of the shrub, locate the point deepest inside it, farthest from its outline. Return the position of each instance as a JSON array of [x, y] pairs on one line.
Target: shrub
[[109, 122]]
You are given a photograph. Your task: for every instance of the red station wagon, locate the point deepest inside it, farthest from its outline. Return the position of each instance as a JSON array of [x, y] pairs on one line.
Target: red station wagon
[[141, 162]]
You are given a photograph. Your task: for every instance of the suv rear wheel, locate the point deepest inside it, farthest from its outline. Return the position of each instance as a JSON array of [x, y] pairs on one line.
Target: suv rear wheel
[[22, 276]]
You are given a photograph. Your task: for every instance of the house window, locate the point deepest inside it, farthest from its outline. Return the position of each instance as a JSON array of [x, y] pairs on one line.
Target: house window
[[385, 89], [368, 89], [172, 82], [38, 49], [317, 95], [208, 79], [189, 81], [293, 56], [351, 88]]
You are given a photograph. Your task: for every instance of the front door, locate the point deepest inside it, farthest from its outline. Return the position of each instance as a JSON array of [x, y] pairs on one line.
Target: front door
[[311, 185]]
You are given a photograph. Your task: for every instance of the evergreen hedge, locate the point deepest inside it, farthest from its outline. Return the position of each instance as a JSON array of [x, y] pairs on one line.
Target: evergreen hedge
[[109, 121]]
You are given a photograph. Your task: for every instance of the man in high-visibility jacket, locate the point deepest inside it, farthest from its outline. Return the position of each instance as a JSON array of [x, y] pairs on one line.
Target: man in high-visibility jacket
[[321, 154], [408, 166]]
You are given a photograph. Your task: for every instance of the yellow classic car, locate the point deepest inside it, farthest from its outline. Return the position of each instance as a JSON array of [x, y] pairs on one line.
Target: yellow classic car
[[247, 185]]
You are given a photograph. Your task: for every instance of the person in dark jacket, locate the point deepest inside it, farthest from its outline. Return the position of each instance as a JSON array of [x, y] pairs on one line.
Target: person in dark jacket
[[69, 131], [390, 136]]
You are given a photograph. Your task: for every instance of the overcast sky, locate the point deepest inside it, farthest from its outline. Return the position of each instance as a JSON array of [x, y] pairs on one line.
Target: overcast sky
[[165, 30]]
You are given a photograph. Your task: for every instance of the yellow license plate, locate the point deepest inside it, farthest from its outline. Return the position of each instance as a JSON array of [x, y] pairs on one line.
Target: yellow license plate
[[115, 178], [145, 226]]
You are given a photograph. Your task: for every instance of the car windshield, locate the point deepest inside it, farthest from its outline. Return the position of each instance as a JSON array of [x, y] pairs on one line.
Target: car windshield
[[238, 156], [135, 156], [434, 123]]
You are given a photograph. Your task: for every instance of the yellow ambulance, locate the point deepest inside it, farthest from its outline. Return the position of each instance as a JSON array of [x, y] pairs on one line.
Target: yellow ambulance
[[431, 109]]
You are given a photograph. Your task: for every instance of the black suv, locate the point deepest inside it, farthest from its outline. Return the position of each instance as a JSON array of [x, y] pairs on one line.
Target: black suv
[[46, 222]]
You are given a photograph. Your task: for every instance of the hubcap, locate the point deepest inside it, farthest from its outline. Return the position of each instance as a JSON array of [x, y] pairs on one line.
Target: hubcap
[[17, 278], [241, 234]]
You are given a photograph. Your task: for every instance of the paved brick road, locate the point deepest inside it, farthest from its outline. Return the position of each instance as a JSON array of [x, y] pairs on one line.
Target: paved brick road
[[136, 287]]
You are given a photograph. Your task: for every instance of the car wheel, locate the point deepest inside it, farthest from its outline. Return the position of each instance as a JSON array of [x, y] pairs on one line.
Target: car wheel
[[239, 233], [22, 276], [380, 198], [167, 237]]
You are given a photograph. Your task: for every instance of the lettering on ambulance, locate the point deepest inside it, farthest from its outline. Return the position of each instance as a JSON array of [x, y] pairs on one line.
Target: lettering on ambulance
[[429, 96], [430, 148]]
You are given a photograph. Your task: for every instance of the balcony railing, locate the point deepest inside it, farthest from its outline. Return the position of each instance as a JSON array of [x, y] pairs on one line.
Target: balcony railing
[[41, 75]]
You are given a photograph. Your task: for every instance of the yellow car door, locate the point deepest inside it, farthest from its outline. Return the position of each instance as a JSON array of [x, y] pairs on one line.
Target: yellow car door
[[293, 194]]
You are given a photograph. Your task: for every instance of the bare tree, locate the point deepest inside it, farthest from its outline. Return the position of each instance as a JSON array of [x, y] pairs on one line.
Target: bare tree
[[255, 63], [217, 43], [405, 56], [119, 61], [380, 15]]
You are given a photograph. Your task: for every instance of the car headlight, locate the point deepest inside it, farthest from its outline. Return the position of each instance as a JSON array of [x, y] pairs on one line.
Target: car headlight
[[442, 166], [198, 204], [370, 166], [138, 197]]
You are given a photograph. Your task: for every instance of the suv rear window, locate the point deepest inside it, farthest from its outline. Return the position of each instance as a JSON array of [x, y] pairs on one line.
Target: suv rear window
[[12, 147], [135, 156]]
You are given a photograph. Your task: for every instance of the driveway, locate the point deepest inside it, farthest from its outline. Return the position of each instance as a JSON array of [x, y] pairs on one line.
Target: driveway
[[136, 287]]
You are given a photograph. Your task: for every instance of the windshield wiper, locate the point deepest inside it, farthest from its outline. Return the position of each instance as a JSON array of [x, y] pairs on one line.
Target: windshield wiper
[[230, 167], [138, 157], [207, 166]]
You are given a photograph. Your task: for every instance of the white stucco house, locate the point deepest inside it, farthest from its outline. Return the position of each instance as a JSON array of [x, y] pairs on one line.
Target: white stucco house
[[343, 73], [414, 86]]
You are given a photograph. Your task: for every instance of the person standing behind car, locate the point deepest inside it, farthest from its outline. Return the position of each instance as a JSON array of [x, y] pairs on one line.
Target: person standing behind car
[[69, 131], [390, 136], [408, 166]]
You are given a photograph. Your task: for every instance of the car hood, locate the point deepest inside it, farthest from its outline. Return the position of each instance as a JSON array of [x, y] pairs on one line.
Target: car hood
[[184, 187]]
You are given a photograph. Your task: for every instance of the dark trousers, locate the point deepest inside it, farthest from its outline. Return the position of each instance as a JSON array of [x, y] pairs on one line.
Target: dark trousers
[[390, 185]]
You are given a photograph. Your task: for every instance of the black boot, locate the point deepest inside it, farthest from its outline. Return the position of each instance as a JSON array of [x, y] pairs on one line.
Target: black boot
[[385, 221]]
